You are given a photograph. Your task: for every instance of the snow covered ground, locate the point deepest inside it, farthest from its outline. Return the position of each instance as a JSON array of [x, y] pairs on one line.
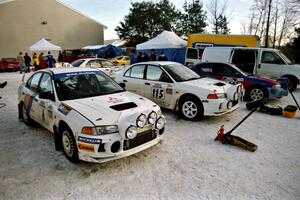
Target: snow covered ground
[[188, 164]]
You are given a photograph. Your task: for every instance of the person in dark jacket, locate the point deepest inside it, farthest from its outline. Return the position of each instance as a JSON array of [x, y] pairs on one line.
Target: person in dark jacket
[[27, 60], [60, 57], [153, 56], [162, 57], [50, 60]]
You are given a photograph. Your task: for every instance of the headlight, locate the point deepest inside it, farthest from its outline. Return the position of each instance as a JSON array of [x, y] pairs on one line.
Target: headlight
[[276, 85], [99, 130], [131, 132], [152, 117], [141, 121], [160, 123]]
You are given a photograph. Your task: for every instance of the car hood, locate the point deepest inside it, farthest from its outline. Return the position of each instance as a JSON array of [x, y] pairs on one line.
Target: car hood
[[112, 109]]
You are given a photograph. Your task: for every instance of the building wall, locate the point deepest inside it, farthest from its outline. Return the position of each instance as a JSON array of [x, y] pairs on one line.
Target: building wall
[[21, 25]]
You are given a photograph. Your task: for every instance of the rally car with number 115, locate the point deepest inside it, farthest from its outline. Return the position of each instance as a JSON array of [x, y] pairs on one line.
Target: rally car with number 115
[[174, 86], [92, 117]]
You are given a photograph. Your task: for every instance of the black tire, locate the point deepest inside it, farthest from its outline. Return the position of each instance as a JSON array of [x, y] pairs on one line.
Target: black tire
[[257, 93], [25, 115], [292, 83], [69, 144], [191, 108], [271, 109]]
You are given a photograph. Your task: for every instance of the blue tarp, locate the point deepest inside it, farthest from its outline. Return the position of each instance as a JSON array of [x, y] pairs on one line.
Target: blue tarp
[[173, 54], [109, 51]]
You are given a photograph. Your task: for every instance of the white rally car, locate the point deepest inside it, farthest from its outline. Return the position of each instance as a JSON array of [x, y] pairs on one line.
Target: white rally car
[[174, 86], [92, 117]]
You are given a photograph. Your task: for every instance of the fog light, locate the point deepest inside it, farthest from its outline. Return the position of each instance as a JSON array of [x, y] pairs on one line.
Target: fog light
[[152, 117], [229, 105], [115, 147], [160, 123], [131, 132], [141, 121]]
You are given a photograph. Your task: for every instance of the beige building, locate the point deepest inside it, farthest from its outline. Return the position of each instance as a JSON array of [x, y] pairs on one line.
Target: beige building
[[23, 22]]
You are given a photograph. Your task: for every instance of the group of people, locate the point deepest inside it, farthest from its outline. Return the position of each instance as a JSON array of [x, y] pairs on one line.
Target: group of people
[[144, 57], [37, 61]]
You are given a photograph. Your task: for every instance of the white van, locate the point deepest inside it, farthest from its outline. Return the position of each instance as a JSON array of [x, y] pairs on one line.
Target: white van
[[257, 61]]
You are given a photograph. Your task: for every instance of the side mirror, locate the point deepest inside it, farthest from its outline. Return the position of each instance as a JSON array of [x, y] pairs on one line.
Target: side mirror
[[47, 95], [123, 85]]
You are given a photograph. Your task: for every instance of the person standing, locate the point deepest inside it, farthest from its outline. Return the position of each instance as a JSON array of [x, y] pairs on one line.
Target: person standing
[[60, 57], [50, 60], [35, 61], [132, 57], [162, 57], [21, 61], [41, 61], [153, 55], [27, 60]]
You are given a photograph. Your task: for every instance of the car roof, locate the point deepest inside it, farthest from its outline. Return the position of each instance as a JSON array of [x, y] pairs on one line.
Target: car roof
[[87, 59], [162, 63], [66, 70]]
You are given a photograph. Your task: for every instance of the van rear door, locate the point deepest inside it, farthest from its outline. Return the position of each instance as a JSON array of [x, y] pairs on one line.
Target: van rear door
[[245, 59]]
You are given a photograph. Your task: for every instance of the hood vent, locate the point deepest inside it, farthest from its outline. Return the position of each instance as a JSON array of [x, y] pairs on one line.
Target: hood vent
[[219, 84], [123, 106]]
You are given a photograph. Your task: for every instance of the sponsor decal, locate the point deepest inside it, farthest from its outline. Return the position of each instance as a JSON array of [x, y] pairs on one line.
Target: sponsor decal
[[85, 147], [64, 75], [114, 100], [28, 102], [43, 104], [64, 109], [50, 114], [240, 79], [156, 85], [89, 140], [169, 91]]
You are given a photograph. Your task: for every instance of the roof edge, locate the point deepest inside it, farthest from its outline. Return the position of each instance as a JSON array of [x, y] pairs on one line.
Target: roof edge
[[77, 11], [5, 1]]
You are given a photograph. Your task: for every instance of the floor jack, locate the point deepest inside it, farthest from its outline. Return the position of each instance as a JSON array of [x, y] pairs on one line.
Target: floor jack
[[295, 100], [227, 138]]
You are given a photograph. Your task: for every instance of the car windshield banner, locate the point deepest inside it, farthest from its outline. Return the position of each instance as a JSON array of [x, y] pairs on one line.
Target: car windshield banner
[[70, 74]]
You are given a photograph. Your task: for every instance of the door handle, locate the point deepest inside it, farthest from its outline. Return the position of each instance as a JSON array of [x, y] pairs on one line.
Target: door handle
[[125, 81], [147, 83]]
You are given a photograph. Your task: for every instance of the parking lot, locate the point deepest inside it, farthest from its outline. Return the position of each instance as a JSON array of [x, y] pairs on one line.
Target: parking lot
[[188, 164]]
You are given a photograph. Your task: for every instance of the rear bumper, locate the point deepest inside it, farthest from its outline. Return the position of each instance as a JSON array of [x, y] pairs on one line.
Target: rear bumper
[[276, 93]]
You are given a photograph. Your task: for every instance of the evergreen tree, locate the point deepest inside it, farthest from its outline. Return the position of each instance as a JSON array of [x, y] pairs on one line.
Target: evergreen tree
[[192, 20], [146, 20], [222, 25]]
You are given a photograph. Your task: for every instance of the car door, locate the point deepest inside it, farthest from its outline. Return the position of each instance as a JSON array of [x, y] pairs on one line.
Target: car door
[[134, 80], [46, 105], [31, 96], [271, 64], [159, 87]]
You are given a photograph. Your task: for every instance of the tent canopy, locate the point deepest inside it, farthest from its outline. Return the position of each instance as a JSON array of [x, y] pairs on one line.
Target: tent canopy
[[164, 40], [44, 45]]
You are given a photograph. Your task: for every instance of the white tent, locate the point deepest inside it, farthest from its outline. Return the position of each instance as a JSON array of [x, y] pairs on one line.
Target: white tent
[[44, 45], [166, 39], [118, 43]]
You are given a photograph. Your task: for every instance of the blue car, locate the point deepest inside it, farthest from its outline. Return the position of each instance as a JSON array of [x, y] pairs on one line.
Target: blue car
[[255, 87]]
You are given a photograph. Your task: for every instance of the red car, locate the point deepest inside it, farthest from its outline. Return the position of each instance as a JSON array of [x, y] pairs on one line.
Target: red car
[[9, 64]]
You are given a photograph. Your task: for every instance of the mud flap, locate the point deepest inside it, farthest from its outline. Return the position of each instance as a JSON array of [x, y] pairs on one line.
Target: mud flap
[[240, 142], [57, 140]]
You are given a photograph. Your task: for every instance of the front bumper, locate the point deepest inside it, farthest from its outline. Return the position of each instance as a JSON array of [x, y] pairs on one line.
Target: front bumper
[[276, 93], [104, 148], [217, 107]]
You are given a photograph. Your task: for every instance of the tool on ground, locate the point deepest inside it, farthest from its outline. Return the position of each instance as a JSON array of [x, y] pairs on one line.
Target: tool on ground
[[227, 138], [295, 99]]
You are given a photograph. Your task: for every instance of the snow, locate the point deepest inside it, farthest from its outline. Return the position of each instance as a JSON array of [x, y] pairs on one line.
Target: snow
[[188, 164]]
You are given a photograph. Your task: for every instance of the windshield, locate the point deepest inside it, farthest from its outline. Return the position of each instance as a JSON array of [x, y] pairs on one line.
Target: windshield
[[78, 85], [119, 57], [180, 72], [286, 59], [76, 63]]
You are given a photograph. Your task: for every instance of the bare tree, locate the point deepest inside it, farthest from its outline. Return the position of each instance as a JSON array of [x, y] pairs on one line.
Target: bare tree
[[216, 17]]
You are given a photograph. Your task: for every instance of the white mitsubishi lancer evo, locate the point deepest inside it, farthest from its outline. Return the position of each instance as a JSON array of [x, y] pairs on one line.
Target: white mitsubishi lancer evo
[[92, 117], [174, 86]]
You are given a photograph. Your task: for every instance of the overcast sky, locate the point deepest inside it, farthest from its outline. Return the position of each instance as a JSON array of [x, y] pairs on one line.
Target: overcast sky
[[111, 12]]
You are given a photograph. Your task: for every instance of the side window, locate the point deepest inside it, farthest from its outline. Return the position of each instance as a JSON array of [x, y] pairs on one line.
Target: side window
[[46, 84], [93, 64], [203, 69], [34, 83], [127, 73], [137, 71], [271, 57], [153, 73]]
